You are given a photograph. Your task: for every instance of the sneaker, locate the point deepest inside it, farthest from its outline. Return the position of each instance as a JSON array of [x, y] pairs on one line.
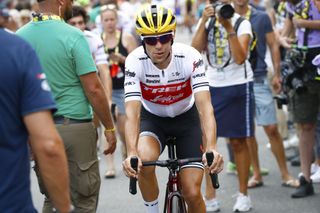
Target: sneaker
[[243, 203], [231, 168], [305, 189], [316, 176], [314, 168], [212, 205], [291, 142]]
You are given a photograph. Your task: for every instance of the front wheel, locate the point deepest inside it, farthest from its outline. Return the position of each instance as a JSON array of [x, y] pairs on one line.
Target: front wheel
[[177, 205]]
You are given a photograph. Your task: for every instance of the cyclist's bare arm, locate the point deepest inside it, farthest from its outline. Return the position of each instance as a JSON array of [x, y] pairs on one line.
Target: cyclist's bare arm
[[49, 153], [132, 129], [98, 99], [106, 81], [208, 126]]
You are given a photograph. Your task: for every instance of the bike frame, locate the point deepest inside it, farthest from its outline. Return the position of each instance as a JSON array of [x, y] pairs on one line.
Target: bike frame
[[173, 185]]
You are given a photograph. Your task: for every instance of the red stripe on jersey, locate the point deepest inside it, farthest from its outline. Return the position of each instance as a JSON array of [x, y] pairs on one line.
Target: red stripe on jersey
[[166, 94]]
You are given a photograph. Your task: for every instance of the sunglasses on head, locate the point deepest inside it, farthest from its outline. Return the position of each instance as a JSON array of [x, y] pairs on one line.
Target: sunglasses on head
[[163, 39], [108, 7]]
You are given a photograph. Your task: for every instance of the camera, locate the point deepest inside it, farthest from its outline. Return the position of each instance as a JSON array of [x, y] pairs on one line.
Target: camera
[[226, 11], [293, 77], [281, 99]]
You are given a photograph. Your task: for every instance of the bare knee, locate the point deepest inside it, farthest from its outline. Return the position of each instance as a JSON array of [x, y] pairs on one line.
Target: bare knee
[[272, 131], [238, 144], [306, 127]]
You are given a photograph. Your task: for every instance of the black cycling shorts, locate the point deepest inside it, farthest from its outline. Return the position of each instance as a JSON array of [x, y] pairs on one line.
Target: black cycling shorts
[[185, 128]]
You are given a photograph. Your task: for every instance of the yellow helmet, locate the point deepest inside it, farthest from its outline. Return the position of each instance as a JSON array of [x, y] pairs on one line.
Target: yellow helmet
[[155, 19]]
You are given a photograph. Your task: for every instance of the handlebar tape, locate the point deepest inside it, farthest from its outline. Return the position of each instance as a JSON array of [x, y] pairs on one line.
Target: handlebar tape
[[214, 176], [133, 181]]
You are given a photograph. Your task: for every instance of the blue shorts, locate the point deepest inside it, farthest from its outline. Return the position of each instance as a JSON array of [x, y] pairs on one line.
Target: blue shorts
[[234, 110], [265, 111], [118, 99]]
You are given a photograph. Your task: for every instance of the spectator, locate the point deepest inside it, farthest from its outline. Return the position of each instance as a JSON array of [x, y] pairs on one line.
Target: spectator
[[265, 111], [68, 64], [117, 44], [303, 19], [231, 86], [26, 105]]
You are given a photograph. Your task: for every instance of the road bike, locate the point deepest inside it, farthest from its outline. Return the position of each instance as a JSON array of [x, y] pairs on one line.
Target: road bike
[[174, 201]]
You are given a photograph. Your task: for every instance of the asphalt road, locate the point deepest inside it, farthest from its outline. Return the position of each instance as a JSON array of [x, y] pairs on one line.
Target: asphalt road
[[272, 197]]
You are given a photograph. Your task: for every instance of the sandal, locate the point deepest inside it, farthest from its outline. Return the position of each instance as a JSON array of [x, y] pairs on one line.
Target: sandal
[[293, 183], [253, 183], [110, 174]]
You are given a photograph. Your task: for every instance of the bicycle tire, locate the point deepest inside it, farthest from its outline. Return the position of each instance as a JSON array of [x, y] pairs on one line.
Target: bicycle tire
[[176, 205]]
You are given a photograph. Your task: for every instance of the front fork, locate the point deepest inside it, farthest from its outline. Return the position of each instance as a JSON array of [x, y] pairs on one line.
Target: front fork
[[173, 189]]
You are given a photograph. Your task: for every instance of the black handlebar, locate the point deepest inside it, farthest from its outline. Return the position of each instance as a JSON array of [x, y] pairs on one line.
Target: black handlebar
[[171, 163], [214, 176], [133, 181]]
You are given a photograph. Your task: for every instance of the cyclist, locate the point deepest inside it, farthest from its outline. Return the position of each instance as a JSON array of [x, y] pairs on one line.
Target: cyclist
[[168, 79]]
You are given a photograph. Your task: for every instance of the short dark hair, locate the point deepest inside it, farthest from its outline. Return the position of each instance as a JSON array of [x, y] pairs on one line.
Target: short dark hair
[[79, 11]]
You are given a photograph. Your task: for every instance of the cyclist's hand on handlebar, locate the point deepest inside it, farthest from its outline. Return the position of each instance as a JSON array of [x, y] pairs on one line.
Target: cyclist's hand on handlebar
[[111, 142], [217, 164], [128, 170]]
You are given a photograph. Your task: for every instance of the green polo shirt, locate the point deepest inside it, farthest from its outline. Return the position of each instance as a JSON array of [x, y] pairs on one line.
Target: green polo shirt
[[65, 56]]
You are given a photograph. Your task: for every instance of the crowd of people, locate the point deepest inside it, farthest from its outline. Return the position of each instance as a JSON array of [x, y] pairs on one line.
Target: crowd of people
[[85, 74]]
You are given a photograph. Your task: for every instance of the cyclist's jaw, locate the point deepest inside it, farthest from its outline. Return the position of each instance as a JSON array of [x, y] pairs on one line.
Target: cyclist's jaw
[[159, 54]]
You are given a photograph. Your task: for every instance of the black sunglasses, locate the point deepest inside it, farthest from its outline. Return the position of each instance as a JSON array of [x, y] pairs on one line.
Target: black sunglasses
[[163, 39]]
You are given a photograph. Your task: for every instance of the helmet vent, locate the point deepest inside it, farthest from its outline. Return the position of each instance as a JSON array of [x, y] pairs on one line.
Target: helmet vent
[[164, 18]]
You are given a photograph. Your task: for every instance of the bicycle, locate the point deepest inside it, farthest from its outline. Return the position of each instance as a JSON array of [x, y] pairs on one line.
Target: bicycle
[[174, 201]]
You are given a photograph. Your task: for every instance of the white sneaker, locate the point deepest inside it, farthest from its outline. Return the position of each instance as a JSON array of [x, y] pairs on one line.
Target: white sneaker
[[314, 168], [316, 176], [212, 205], [291, 142], [243, 203]]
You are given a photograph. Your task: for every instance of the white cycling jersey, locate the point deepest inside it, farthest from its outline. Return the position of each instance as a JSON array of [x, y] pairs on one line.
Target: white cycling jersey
[[96, 48], [168, 92]]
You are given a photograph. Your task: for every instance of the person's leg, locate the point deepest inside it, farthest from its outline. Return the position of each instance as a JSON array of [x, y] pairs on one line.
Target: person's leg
[[148, 150], [191, 179], [305, 108], [121, 118], [306, 135], [277, 149], [81, 147], [210, 192], [242, 159], [254, 159]]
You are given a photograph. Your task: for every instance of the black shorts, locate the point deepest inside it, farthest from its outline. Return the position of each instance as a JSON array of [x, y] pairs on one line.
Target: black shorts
[[185, 128]]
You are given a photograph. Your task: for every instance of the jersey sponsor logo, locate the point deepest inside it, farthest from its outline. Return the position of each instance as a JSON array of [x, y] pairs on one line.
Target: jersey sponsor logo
[[129, 83], [175, 74], [197, 64], [179, 56], [152, 76], [143, 58], [174, 80], [166, 94], [198, 75], [152, 81], [129, 74]]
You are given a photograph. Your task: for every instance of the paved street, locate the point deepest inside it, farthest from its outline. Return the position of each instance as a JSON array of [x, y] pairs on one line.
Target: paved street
[[272, 197]]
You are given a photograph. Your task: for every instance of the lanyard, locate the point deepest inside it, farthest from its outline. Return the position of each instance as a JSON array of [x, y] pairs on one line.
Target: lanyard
[[220, 42], [41, 17], [116, 50]]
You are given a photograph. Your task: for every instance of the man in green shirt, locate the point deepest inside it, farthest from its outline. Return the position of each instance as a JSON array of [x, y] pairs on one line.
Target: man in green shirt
[[65, 56]]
